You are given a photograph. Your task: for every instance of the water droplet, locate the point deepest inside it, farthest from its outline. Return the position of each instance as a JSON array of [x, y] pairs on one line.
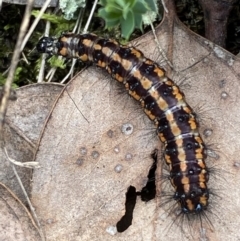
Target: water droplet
[[224, 95], [112, 230], [116, 149], [236, 164], [207, 132], [83, 150], [128, 157], [118, 168], [222, 83], [211, 153], [110, 133], [127, 129], [79, 161], [95, 154]]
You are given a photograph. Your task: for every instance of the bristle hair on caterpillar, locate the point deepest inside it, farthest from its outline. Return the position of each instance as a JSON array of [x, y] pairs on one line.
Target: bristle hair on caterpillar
[[162, 101]]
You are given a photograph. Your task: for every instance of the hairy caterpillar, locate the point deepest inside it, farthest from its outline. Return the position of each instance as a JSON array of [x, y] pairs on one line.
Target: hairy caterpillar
[[162, 101]]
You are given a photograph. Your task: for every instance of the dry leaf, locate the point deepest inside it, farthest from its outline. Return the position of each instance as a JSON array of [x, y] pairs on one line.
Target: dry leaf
[[23, 124], [15, 223], [78, 194]]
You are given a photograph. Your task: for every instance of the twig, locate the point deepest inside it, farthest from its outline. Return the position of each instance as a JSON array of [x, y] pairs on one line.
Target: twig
[[51, 72], [90, 16], [164, 6], [22, 164], [24, 58], [26, 196], [70, 71], [30, 31], [76, 29], [78, 24], [14, 62], [44, 56], [159, 46], [23, 206]]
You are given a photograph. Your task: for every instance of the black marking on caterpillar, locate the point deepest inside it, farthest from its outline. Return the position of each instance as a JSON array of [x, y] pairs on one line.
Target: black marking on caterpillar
[[162, 101]]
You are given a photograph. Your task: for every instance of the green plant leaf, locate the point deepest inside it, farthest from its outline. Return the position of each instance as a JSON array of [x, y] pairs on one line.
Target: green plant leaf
[[56, 62], [127, 13], [152, 5], [140, 7], [138, 21], [127, 26], [61, 23]]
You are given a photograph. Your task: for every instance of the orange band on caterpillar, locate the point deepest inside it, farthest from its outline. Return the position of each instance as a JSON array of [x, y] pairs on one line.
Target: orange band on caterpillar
[[162, 101]]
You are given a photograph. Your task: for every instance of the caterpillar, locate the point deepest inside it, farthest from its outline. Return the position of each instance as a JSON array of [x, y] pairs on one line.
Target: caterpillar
[[162, 101]]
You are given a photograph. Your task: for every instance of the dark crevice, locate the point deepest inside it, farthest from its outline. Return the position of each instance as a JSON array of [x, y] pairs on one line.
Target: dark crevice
[[126, 220], [147, 193]]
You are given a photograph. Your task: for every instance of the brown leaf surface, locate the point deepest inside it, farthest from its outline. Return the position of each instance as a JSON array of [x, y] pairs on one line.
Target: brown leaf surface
[[77, 192], [23, 124], [15, 221]]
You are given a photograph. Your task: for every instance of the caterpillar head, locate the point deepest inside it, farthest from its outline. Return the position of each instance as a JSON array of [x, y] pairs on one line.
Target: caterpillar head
[[195, 201], [47, 45]]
